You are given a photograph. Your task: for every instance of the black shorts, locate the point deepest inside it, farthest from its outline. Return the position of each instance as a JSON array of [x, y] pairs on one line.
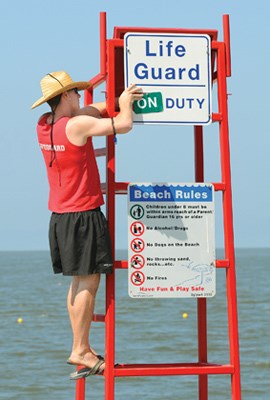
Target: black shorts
[[80, 243]]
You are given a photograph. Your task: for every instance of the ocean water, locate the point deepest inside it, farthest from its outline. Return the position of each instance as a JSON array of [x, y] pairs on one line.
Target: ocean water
[[33, 353]]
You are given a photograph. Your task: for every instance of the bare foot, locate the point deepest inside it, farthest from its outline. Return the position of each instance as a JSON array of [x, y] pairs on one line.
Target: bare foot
[[74, 356]]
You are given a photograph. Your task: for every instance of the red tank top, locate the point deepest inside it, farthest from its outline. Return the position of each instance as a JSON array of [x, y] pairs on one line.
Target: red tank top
[[73, 177]]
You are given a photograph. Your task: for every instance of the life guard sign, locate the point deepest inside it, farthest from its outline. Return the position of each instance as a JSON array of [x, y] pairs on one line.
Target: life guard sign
[[174, 71]]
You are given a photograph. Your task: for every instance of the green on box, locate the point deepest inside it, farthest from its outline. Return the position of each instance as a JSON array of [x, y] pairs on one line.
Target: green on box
[[150, 103]]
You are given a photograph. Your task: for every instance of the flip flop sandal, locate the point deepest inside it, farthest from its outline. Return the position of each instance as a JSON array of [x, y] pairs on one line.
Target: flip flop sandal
[[84, 372]]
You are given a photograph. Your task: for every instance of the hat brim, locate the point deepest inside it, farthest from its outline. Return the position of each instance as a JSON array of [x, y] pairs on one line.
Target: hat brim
[[73, 85]]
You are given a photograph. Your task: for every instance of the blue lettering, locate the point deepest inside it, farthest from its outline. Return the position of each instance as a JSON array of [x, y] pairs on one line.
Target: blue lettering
[[160, 48], [158, 74], [178, 105], [170, 73], [194, 73], [169, 103], [181, 103], [168, 49], [141, 71], [180, 72], [200, 102], [147, 52], [190, 101], [180, 51]]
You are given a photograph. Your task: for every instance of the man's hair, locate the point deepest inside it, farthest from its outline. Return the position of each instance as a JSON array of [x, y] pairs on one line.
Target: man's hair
[[53, 103]]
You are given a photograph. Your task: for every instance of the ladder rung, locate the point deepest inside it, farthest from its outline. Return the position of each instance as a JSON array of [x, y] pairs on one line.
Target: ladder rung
[[121, 264], [216, 117], [103, 187], [98, 318], [100, 152], [219, 186], [121, 187], [222, 263], [171, 369]]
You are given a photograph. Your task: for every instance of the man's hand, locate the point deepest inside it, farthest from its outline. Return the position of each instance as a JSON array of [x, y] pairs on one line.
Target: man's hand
[[129, 95]]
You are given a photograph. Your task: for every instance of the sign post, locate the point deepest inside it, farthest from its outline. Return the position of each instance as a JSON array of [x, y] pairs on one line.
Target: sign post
[[174, 71], [171, 240]]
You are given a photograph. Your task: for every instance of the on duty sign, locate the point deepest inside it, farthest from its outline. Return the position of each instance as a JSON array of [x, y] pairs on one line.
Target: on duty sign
[[174, 71]]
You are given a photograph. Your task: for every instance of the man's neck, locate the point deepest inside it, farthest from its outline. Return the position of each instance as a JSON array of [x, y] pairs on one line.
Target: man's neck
[[59, 113]]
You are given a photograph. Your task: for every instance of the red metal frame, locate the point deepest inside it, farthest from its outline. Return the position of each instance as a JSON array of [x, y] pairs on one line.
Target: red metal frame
[[222, 59]]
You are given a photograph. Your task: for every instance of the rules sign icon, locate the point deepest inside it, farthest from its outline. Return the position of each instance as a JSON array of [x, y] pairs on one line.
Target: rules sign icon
[[137, 211], [137, 245], [137, 278], [137, 261], [137, 228]]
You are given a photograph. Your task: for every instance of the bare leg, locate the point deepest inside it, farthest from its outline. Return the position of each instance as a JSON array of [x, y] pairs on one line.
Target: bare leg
[[80, 304]]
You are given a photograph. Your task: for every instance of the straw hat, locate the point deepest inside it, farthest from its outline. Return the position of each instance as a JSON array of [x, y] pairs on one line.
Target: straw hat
[[56, 83]]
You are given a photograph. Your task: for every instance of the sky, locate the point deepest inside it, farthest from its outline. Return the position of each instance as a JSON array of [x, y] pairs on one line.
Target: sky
[[38, 37]]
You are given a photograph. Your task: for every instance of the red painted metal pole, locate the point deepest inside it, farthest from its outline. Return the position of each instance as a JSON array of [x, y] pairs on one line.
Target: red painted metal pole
[[88, 94], [201, 303], [103, 42], [80, 389], [227, 41], [88, 99], [198, 153], [110, 279], [228, 224]]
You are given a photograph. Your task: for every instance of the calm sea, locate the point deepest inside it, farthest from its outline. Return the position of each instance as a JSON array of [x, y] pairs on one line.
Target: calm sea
[[33, 353]]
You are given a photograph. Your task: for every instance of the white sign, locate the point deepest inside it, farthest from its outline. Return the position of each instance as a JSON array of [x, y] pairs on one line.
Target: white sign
[[171, 240], [175, 68]]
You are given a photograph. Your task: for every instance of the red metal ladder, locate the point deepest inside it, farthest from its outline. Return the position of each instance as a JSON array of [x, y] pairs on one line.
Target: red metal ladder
[[111, 55]]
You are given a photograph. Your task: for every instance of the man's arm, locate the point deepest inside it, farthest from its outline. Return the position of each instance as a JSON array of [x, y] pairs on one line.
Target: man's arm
[[80, 127]]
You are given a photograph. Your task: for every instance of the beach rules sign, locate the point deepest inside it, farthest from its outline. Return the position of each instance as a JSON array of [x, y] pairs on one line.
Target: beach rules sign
[[171, 241], [174, 71]]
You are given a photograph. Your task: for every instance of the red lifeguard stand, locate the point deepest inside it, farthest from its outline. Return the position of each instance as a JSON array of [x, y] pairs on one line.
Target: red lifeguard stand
[[112, 71]]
